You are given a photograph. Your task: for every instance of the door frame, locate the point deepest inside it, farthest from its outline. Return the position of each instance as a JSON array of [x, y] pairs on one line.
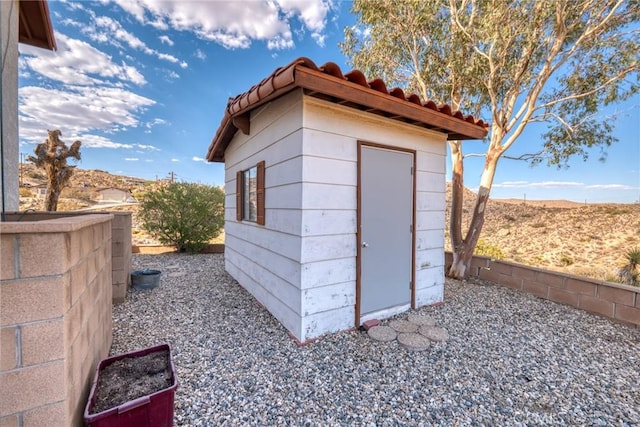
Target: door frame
[[359, 224]]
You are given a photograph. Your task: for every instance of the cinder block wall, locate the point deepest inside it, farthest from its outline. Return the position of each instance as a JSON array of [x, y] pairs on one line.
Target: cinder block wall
[[615, 301], [121, 255], [55, 317], [120, 241]]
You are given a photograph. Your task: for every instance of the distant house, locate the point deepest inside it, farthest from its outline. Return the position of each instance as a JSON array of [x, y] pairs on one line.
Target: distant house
[[40, 190], [335, 196], [113, 195]]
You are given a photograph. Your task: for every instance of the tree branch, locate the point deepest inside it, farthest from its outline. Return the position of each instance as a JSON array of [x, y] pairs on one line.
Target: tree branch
[[525, 157], [593, 91]]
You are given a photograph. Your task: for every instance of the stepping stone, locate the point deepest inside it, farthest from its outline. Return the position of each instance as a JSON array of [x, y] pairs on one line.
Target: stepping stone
[[403, 326], [413, 341], [382, 333], [434, 333], [422, 320]]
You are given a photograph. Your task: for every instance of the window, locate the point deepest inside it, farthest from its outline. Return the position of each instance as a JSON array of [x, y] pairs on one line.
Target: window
[[250, 194]]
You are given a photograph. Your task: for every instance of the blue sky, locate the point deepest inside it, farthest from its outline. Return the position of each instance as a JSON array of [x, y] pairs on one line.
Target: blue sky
[[144, 84]]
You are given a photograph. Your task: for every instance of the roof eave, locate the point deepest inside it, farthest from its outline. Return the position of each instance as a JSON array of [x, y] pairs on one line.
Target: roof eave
[[354, 93], [35, 26], [300, 74]]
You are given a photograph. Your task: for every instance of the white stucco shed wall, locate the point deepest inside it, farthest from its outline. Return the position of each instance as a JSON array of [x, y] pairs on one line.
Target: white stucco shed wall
[[302, 264]]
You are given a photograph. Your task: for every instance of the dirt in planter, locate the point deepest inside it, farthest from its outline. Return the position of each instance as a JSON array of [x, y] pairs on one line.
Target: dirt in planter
[[130, 378]]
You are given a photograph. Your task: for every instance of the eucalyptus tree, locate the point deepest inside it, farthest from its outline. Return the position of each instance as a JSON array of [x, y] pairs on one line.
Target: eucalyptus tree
[[558, 62], [51, 155]]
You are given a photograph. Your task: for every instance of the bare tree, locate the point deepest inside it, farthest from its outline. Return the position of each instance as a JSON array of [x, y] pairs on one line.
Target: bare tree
[[51, 155], [516, 63]]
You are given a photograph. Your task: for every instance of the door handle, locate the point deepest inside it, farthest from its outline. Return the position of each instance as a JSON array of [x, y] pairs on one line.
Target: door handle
[[365, 245]]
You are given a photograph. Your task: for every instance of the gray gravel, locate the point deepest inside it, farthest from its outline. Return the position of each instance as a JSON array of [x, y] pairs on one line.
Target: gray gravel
[[510, 359]]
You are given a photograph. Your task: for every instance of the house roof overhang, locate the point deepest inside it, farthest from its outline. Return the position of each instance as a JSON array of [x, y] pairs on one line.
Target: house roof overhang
[[352, 90], [35, 27]]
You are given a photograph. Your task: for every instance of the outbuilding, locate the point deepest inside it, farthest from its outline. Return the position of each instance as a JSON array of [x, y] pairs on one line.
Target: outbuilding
[[113, 195], [335, 196]]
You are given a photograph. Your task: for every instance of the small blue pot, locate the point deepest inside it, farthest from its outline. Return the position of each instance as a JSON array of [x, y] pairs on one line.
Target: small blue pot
[[146, 279]]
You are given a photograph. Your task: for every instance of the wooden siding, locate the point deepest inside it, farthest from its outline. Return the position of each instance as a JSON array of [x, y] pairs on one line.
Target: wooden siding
[[302, 263], [266, 259], [329, 205]]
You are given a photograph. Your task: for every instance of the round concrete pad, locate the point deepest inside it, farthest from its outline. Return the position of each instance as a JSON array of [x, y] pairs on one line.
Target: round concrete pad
[[403, 326], [434, 333], [421, 320], [382, 333], [413, 341]]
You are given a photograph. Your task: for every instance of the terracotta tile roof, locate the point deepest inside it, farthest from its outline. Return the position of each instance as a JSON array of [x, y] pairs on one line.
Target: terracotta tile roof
[[351, 89], [35, 26]]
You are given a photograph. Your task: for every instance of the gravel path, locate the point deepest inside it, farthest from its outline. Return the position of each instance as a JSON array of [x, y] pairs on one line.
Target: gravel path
[[510, 359]]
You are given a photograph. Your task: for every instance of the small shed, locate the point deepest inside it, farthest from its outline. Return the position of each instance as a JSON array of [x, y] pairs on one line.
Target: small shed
[[113, 195], [335, 199], [40, 190]]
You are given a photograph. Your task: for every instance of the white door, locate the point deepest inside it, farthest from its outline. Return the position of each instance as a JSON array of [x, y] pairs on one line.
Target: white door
[[386, 224]]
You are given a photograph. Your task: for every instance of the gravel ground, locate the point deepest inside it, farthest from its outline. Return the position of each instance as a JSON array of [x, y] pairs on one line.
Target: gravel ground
[[511, 359]]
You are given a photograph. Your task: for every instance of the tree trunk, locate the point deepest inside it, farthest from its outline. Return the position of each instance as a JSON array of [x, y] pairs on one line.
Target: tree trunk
[[51, 202], [53, 190], [463, 248]]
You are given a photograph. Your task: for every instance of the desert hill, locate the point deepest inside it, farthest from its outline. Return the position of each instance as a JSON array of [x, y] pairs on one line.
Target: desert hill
[[582, 239]]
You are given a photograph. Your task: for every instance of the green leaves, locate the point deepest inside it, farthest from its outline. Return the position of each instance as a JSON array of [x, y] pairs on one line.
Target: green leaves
[[183, 215], [557, 62]]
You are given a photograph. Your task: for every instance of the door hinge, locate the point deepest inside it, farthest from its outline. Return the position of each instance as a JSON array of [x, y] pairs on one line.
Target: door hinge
[[411, 170]]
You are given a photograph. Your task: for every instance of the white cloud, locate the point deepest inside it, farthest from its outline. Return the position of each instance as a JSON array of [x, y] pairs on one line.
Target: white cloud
[[563, 184], [77, 63], [79, 110], [168, 57], [83, 92], [115, 31], [231, 23], [154, 122], [200, 54], [172, 74], [147, 147], [312, 13], [183, 64], [198, 159], [166, 40], [543, 184], [175, 160], [131, 159], [611, 187]]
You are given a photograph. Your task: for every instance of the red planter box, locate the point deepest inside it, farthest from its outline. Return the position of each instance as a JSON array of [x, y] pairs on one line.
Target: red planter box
[[153, 410]]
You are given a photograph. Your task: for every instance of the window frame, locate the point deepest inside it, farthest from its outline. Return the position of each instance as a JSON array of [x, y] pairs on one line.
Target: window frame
[[244, 194]]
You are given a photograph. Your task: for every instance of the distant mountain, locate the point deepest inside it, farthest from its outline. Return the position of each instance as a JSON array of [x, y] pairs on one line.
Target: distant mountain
[[88, 178]]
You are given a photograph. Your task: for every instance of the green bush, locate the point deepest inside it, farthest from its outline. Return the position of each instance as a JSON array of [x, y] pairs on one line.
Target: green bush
[[566, 260], [37, 175], [78, 193], [183, 215], [629, 274], [487, 249]]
